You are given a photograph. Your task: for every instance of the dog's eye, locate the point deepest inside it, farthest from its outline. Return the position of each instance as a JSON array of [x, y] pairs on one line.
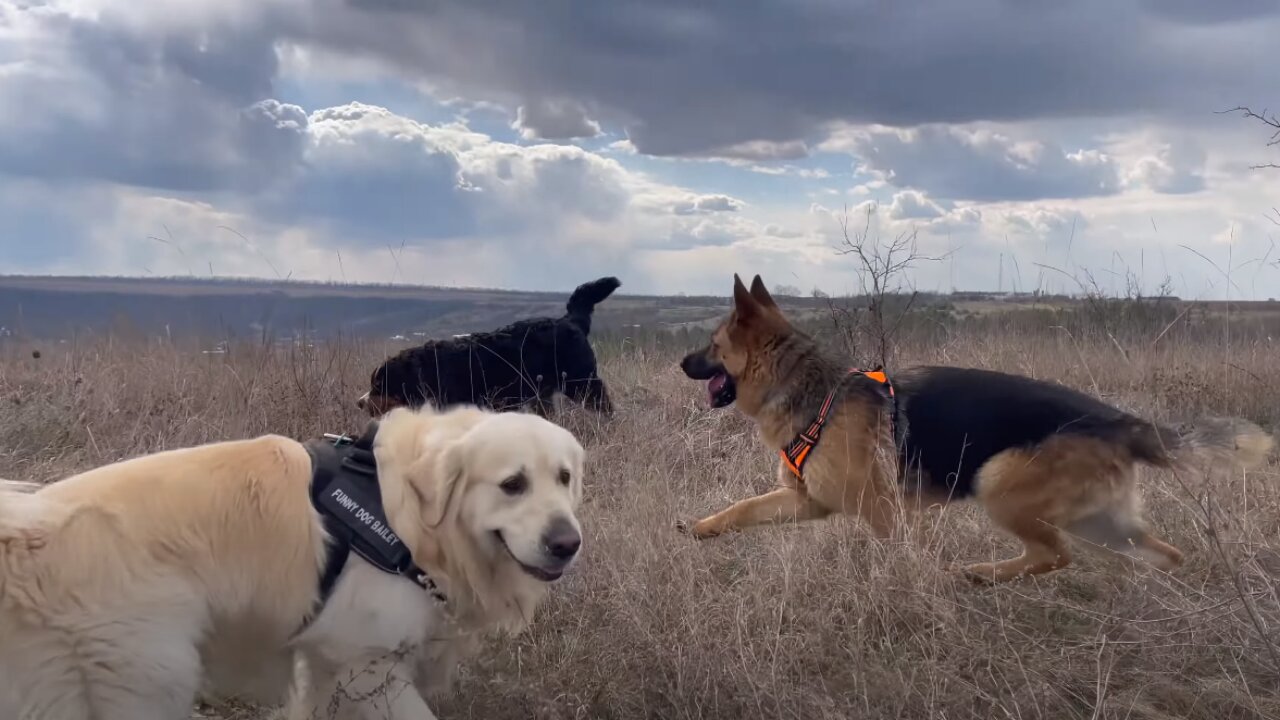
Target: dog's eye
[[515, 484], [565, 477]]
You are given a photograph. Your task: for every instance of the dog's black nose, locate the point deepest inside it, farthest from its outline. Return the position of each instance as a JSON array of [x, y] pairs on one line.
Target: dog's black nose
[[562, 539]]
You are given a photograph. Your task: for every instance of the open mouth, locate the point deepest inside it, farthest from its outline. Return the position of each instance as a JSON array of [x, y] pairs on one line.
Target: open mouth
[[721, 389], [543, 574]]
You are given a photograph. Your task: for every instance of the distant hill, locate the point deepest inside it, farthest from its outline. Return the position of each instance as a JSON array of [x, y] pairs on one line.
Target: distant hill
[[46, 307], [57, 307]]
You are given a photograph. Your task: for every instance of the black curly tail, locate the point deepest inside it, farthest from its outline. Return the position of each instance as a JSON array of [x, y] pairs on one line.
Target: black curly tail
[[584, 298]]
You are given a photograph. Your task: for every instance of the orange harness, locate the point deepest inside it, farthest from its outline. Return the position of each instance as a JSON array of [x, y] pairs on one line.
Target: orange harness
[[797, 452]]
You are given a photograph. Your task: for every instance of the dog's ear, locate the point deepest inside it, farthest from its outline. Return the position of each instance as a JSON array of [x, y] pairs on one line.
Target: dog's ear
[[425, 494], [449, 474], [761, 294], [416, 484], [745, 305]]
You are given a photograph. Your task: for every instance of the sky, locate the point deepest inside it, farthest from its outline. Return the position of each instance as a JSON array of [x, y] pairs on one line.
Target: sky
[[1009, 145]]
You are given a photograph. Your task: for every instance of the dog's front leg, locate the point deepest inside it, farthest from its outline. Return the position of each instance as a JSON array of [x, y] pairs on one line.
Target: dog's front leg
[[782, 505], [380, 688]]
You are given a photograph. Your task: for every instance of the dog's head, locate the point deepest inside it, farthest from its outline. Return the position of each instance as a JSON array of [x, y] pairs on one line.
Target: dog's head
[[734, 353], [490, 495], [519, 481], [388, 377]]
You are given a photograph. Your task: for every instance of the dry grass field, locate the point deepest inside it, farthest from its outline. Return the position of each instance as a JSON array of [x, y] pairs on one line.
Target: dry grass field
[[809, 622]]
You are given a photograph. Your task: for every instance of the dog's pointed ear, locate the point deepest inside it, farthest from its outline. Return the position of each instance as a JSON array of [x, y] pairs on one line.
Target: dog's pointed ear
[[743, 303], [761, 294]]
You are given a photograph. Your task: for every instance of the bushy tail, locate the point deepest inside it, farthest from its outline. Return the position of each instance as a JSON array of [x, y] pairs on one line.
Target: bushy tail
[[1211, 442], [584, 298]]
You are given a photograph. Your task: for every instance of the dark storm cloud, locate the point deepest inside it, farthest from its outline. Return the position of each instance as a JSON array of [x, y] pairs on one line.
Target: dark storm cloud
[[1212, 11], [689, 77], [92, 99], [150, 101]]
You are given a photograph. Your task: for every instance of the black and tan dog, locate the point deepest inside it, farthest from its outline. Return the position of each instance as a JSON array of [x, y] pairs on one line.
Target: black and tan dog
[[1042, 459], [524, 363]]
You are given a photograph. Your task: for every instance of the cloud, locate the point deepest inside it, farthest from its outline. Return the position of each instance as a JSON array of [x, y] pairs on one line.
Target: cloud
[[1195, 12], [117, 119], [681, 81], [554, 120], [706, 204], [955, 162], [913, 205], [88, 98], [1039, 222], [364, 182], [762, 151], [367, 173], [1160, 163]]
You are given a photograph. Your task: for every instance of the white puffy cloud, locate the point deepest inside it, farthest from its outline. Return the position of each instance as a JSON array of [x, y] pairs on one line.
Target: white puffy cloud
[[374, 187], [913, 205], [706, 204], [1151, 161]]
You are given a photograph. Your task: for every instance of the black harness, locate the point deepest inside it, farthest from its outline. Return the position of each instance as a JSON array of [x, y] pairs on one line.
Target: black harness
[[344, 490]]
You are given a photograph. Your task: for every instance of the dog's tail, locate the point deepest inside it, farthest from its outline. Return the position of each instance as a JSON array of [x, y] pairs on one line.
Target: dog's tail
[[19, 486], [584, 299], [1211, 442]]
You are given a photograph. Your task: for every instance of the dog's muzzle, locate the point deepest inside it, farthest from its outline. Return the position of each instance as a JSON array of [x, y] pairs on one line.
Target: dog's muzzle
[[377, 405], [560, 544], [722, 390]]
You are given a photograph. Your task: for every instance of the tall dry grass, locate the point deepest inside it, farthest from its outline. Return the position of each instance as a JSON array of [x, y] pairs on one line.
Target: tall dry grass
[[814, 621]]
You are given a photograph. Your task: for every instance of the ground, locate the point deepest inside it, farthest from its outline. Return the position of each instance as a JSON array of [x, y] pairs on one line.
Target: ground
[[815, 621]]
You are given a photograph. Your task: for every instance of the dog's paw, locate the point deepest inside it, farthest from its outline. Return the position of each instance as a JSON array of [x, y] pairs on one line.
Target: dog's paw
[[977, 574], [697, 530]]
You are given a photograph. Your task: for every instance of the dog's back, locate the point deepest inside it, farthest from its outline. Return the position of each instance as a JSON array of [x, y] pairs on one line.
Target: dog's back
[[956, 419], [528, 360], [110, 580]]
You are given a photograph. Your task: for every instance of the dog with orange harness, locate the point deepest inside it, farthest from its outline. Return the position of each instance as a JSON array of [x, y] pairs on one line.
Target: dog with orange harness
[[1044, 460]]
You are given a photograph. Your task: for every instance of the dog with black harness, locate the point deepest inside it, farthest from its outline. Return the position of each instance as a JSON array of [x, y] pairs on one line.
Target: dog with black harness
[[345, 576]]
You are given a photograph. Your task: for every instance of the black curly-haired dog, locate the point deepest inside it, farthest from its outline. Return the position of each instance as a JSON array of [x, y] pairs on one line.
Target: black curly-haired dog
[[525, 362]]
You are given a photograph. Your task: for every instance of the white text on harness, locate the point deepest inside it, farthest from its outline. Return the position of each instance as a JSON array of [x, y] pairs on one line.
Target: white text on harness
[[364, 516]]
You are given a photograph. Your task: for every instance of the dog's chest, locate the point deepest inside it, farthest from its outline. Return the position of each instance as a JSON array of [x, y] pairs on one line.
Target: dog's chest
[[372, 611]]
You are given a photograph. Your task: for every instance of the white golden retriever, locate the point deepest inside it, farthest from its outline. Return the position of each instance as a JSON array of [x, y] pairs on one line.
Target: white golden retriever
[[128, 589]]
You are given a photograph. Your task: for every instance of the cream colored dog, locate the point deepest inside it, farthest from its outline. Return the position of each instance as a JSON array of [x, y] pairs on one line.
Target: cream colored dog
[[127, 589]]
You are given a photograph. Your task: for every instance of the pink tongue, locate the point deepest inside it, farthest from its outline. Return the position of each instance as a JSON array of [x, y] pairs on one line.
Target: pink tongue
[[715, 385]]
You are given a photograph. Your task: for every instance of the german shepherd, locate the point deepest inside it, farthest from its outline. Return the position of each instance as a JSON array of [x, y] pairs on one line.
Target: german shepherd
[[1041, 458]]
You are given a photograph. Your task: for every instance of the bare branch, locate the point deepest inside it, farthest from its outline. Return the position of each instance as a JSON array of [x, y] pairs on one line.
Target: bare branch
[[883, 266], [1267, 118]]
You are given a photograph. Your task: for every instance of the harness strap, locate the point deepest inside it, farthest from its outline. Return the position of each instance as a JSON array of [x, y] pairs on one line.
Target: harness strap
[[797, 452], [344, 485]]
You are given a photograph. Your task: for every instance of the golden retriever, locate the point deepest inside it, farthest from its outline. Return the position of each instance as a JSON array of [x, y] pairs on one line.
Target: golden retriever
[[128, 589]]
